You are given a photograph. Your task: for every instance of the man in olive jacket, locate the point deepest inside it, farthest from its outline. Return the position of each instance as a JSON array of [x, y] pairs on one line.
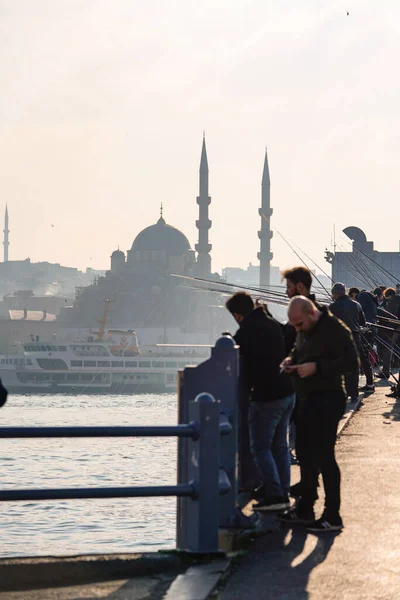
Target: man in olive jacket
[[323, 352]]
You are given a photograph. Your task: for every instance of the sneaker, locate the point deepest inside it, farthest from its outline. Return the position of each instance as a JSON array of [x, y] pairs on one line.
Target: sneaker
[[379, 375], [368, 389], [294, 517], [325, 524], [275, 504]]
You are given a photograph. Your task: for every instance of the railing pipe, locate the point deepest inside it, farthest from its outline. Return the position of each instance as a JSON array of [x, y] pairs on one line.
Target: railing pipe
[[181, 490], [186, 431]]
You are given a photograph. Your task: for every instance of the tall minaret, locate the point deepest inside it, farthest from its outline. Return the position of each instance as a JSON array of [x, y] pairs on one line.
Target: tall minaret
[[265, 255], [203, 248], [6, 231]]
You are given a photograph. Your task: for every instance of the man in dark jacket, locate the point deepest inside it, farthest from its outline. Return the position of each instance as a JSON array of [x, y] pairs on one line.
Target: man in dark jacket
[[262, 350], [323, 352], [350, 312]]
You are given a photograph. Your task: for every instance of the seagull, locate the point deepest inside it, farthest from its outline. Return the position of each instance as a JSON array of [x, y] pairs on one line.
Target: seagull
[[348, 13]]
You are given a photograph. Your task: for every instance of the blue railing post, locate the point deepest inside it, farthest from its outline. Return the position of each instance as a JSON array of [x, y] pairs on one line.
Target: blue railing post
[[218, 376], [198, 520]]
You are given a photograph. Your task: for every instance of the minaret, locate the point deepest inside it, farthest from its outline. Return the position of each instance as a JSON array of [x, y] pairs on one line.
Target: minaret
[[265, 255], [203, 248], [6, 231]]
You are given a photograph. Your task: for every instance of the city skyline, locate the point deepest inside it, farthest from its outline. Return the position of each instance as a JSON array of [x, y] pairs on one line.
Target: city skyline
[[96, 133]]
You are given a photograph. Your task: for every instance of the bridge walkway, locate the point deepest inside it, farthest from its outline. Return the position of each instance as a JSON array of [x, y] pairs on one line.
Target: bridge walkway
[[363, 561]]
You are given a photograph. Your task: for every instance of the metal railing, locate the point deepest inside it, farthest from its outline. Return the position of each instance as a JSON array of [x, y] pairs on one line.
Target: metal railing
[[206, 453]]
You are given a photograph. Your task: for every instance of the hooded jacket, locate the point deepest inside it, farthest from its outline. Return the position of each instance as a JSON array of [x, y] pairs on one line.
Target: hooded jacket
[[262, 349]]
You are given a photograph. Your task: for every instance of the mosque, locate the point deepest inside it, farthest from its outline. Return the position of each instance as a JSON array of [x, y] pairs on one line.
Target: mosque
[[143, 294]]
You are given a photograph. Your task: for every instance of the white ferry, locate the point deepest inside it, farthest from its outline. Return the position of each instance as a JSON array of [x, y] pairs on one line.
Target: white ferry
[[110, 363]]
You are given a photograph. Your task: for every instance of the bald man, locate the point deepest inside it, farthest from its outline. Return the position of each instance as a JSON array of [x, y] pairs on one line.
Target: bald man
[[323, 352]]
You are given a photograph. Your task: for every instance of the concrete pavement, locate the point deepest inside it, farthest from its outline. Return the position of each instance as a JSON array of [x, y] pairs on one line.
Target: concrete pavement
[[363, 561]]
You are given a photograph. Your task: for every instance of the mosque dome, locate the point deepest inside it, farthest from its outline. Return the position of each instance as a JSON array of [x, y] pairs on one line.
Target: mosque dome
[[118, 254], [161, 237]]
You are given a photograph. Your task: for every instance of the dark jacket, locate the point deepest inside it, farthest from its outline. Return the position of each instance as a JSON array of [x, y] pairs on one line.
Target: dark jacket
[[262, 349], [349, 311], [393, 305], [330, 345], [369, 304]]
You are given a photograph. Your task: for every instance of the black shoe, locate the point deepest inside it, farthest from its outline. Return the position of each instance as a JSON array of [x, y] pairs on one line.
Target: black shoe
[[259, 493], [275, 504], [295, 490], [294, 517], [368, 389], [326, 524]]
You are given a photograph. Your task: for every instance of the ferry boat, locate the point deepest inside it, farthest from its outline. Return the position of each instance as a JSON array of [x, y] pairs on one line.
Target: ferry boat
[[111, 363]]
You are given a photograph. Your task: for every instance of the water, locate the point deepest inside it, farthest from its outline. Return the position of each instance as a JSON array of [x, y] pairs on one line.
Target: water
[[87, 526]]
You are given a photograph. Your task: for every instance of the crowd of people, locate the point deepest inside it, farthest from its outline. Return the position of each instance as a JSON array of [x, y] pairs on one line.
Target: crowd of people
[[303, 373]]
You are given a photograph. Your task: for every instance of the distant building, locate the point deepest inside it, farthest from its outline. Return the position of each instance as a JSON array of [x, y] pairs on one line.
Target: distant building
[[251, 275], [363, 266]]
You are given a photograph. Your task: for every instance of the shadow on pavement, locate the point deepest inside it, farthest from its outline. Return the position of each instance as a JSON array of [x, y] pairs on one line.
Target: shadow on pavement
[[394, 414], [279, 566]]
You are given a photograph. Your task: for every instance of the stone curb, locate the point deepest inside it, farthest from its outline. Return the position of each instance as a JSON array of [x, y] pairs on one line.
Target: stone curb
[[199, 582], [40, 572], [348, 415]]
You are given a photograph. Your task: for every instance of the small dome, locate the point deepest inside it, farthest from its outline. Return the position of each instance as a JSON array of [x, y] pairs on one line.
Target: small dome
[[118, 254], [161, 237]]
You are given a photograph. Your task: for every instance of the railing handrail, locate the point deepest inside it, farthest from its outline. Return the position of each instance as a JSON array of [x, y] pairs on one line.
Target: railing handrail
[[190, 430]]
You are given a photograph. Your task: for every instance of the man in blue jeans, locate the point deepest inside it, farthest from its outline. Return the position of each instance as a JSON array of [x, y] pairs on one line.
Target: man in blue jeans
[[262, 349]]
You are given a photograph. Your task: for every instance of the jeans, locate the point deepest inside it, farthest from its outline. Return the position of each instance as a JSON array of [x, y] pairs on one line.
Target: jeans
[[317, 419], [364, 350], [268, 426], [351, 378], [249, 477]]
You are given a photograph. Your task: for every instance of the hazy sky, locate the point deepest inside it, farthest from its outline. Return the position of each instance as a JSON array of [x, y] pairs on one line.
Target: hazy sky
[[103, 104]]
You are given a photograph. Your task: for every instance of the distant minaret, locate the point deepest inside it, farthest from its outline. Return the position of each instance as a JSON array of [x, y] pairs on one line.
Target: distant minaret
[[265, 255], [203, 248], [6, 231]]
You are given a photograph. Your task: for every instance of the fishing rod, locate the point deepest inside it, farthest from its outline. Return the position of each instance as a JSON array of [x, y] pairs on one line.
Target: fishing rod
[[273, 297], [231, 285], [358, 269], [293, 250], [366, 272], [374, 262], [393, 278], [314, 263]]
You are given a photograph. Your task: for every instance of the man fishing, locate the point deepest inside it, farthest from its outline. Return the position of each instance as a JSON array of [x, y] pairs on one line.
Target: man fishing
[[262, 350], [323, 352]]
